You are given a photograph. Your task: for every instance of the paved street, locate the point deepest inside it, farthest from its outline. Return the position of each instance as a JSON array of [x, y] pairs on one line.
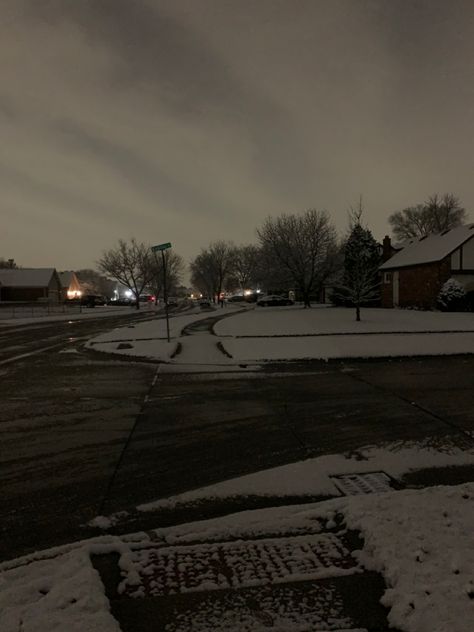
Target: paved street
[[85, 434]]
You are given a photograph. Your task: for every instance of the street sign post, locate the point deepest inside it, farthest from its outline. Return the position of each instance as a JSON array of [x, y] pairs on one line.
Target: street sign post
[[161, 248]]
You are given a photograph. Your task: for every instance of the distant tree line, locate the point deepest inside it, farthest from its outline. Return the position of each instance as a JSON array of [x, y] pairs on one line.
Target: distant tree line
[[294, 251], [134, 265]]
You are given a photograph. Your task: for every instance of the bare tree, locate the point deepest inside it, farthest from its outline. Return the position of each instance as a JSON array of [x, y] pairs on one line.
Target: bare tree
[[175, 267], [202, 276], [212, 268], [245, 265], [92, 282], [304, 246], [437, 214], [131, 263]]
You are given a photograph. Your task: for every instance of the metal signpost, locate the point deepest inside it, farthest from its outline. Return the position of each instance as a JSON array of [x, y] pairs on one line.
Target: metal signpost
[[161, 248]]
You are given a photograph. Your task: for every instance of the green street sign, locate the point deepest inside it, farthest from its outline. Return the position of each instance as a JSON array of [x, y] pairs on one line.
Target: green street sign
[[161, 247]]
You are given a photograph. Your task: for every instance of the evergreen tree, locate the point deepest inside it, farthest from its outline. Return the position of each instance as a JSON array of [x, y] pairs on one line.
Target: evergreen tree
[[361, 263]]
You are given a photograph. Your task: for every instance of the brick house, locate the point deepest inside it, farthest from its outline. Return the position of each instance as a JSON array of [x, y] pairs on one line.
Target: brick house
[[413, 276], [30, 284]]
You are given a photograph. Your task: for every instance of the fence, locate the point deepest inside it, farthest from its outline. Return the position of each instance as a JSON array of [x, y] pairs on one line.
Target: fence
[[37, 309]]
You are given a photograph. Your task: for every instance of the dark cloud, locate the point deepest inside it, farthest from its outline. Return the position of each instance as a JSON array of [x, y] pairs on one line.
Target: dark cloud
[[196, 119]]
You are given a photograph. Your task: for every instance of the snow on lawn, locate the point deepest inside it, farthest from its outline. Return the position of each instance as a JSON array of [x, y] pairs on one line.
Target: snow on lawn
[[296, 321], [147, 339], [311, 477], [368, 346], [288, 333]]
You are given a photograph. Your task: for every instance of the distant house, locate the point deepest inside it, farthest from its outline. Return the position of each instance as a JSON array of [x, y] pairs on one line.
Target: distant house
[[70, 286], [30, 284], [413, 276]]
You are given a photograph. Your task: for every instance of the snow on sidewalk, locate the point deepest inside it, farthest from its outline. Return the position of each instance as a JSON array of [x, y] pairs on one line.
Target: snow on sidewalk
[[420, 540], [61, 594], [147, 339], [196, 352]]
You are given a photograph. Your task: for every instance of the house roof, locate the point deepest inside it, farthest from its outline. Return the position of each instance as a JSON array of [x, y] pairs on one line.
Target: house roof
[[26, 277], [430, 249], [67, 278]]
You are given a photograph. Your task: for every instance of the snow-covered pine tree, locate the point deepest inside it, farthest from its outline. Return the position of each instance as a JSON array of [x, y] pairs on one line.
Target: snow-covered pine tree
[[361, 263]]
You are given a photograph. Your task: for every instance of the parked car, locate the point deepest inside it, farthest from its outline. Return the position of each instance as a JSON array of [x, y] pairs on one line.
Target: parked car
[[91, 300], [204, 302], [237, 298], [274, 300], [172, 302]]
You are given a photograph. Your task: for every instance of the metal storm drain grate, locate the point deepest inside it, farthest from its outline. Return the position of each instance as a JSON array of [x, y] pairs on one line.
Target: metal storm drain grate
[[367, 483], [231, 565]]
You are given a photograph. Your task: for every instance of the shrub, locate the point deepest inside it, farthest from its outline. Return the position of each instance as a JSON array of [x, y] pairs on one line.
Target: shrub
[[452, 297]]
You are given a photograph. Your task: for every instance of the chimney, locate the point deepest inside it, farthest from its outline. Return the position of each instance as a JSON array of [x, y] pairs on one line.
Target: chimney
[[387, 250]]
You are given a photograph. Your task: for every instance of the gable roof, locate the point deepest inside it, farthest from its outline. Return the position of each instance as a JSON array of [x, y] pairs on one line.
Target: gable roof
[[67, 278], [27, 277], [430, 249]]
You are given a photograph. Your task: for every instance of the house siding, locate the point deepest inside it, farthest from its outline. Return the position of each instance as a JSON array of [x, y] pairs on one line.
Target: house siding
[[468, 255], [419, 286]]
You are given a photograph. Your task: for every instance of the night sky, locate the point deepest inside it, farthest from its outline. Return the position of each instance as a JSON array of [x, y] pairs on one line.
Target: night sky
[[192, 120]]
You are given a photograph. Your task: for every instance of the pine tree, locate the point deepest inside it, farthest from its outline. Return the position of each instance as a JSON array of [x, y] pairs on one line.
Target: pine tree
[[361, 263]]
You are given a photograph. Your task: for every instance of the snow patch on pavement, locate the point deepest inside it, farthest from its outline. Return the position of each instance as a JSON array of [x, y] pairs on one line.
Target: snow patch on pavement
[[420, 540], [55, 595], [311, 477]]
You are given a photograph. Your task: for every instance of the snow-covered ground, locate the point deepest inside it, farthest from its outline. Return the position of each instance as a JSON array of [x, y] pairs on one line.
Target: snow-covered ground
[[148, 339], [312, 476], [419, 540], [289, 333], [330, 332], [296, 321]]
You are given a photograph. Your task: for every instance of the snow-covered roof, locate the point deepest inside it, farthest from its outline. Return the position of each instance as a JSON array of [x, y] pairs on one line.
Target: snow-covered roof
[[26, 277], [430, 249]]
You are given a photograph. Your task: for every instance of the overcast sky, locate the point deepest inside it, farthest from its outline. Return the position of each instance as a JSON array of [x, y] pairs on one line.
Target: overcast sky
[[192, 120]]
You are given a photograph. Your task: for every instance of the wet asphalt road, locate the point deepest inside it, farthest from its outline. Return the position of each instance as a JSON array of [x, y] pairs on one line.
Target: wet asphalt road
[[83, 434]]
